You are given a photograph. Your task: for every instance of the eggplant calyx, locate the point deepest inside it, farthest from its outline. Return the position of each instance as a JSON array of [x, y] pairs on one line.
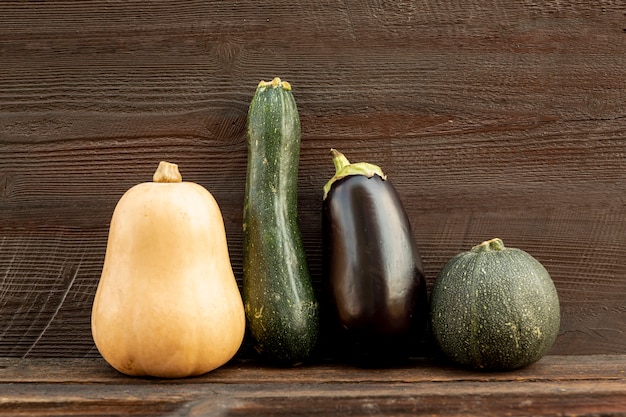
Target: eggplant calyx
[[343, 168]]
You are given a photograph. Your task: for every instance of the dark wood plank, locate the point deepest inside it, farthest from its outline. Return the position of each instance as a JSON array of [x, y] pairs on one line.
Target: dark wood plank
[[492, 119], [418, 370], [534, 399], [563, 385]]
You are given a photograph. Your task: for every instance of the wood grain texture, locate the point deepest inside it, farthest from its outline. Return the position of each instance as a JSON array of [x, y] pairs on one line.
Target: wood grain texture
[[245, 371], [557, 385], [491, 118]]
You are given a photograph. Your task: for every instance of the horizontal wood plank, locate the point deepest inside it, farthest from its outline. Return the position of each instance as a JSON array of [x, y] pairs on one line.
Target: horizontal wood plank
[[494, 119], [464, 399], [238, 371], [582, 385]]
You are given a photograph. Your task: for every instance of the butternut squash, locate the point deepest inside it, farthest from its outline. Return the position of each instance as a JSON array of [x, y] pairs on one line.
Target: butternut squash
[[167, 304]]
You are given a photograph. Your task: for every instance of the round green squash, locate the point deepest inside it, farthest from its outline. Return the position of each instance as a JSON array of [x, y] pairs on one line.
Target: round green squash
[[494, 308]]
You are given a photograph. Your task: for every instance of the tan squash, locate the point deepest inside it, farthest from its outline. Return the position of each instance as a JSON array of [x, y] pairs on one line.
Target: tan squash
[[167, 304]]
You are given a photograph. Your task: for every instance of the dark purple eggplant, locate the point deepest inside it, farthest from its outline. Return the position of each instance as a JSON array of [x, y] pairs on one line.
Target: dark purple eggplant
[[373, 275]]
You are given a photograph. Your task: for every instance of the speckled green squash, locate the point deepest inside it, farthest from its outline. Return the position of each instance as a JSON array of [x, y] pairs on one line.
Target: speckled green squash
[[280, 304], [494, 308]]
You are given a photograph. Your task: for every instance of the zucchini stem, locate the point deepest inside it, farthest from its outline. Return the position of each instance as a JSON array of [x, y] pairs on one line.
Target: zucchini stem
[[275, 83]]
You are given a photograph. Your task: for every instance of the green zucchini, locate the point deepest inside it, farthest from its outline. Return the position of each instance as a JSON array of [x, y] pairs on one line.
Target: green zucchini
[[280, 303]]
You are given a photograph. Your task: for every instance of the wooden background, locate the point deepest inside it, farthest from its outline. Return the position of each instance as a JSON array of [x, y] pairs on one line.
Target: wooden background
[[492, 118]]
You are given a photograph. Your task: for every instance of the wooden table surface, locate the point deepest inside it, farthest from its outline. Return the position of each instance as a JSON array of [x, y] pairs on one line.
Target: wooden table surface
[[492, 119], [556, 385]]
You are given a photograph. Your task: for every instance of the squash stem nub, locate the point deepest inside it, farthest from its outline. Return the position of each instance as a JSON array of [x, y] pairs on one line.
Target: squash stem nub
[[167, 172], [495, 244]]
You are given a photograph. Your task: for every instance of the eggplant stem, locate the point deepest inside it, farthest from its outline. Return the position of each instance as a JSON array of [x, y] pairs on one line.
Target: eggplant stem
[[344, 168], [339, 160]]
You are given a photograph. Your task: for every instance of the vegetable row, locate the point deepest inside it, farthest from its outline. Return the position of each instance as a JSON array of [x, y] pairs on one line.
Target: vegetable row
[[167, 304]]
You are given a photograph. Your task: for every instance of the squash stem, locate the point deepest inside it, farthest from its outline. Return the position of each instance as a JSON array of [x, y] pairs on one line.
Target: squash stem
[[167, 172], [495, 244]]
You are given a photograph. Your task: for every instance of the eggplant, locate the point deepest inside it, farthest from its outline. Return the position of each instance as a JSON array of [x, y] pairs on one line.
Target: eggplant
[[372, 270]]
